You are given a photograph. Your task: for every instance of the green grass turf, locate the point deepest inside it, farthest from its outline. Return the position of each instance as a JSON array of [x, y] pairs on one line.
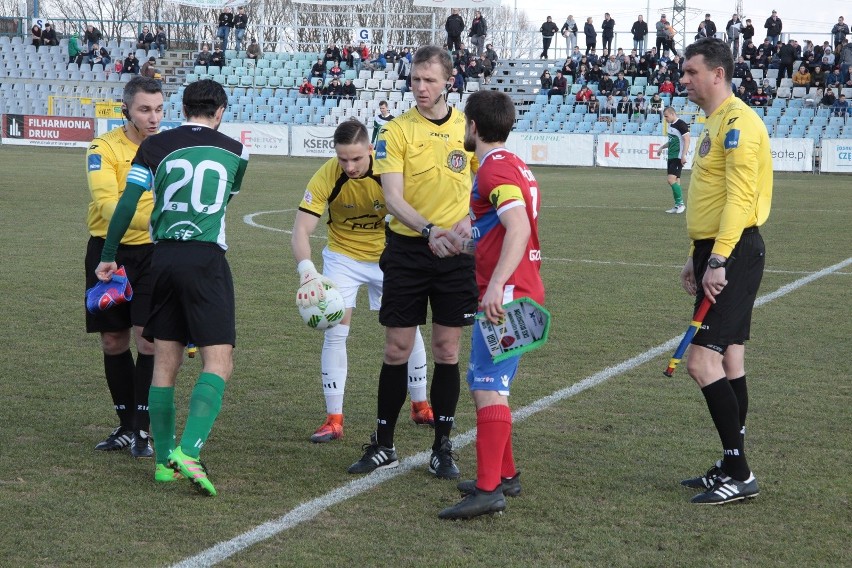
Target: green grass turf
[[600, 470]]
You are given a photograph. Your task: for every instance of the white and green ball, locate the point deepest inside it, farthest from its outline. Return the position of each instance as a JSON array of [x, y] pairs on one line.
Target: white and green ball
[[327, 313]]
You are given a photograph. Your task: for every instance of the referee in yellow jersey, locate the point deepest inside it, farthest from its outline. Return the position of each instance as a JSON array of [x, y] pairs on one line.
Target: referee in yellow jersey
[[107, 164], [426, 178], [730, 194]]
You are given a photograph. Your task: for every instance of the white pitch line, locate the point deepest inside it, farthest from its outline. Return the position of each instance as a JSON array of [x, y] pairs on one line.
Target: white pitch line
[[249, 220], [652, 265], [310, 509]]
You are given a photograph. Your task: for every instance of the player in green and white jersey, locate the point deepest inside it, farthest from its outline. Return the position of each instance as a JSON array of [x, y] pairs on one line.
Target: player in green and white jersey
[[678, 146], [193, 172]]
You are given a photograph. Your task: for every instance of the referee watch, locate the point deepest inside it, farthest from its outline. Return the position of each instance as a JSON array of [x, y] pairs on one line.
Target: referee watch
[[427, 230], [716, 263]]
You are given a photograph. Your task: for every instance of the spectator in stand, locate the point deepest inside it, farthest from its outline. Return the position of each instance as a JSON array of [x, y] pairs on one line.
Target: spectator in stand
[[131, 64], [403, 67], [318, 69], [334, 90], [840, 106], [761, 98], [306, 88], [240, 24], [332, 53], [802, 77], [747, 31], [594, 75], [734, 29], [391, 55], [581, 76], [378, 61], [655, 104], [786, 56], [607, 33], [454, 26], [492, 55], [349, 91], [546, 81], [548, 30], [474, 70], [741, 68], [560, 86], [593, 58], [148, 69], [75, 50], [742, 95], [594, 104], [710, 26], [226, 23], [703, 32], [591, 36], [749, 84], [217, 58], [254, 53], [48, 36], [629, 66], [832, 79], [35, 35], [99, 55], [610, 107], [478, 31], [620, 86], [818, 77], [662, 27], [625, 106], [828, 99], [92, 36], [749, 53], [569, 32], [456, 82], [639, 31], [487, 70], [845, 59], [612, 66], [773, 27], [839, 31], [336, 70], [583, 95], [161, 42], [640, 104], [204, 56], [145, 39], [606, 85], [667, 87]]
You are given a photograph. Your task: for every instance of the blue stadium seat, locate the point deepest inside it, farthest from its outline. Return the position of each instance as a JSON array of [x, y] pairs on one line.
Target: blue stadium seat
[[781, 131], [786, 120], [798, 131]]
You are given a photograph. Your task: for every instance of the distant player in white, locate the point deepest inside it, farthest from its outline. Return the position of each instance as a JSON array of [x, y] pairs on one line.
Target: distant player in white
[[353, 195]]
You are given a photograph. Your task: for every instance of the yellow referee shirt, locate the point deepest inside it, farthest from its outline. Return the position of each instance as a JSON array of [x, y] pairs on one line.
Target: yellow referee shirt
[[731, 184], [435, 166], [356, 211], [107, 163]]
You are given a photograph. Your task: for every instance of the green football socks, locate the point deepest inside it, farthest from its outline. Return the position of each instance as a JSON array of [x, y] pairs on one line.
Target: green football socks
[[204, 406], [677, 193], [161, 408]]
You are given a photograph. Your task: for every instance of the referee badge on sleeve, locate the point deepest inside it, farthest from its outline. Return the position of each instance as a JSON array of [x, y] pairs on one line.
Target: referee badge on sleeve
[[381, 150]]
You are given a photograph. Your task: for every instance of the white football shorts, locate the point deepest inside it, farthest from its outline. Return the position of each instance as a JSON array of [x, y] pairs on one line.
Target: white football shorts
[[349, 274]]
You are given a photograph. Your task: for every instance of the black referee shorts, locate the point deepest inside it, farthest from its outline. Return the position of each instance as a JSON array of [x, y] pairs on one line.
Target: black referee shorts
[[136, 260], [729, 320], [674, 167], [415, 278], [193, 294]]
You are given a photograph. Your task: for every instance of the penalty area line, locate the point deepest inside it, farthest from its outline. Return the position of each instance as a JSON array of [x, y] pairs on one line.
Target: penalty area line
[[310, 509]]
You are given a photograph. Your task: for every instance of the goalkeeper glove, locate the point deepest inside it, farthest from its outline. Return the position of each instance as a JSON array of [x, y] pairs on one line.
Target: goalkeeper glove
[[312, 285]]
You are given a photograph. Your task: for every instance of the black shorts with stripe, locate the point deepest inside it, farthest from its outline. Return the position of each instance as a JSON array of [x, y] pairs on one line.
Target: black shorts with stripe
[[415, 278], [674, 167], [136, 260], [729, 320], [193, 294]]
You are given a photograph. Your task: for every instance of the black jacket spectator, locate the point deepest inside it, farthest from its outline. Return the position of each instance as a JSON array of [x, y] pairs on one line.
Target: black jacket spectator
[[773, 25], [48, 35], [639, 30], [131, 64], [145, 39]]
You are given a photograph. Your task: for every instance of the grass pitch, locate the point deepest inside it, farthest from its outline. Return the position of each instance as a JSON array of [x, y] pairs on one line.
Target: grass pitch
[[600, 469]]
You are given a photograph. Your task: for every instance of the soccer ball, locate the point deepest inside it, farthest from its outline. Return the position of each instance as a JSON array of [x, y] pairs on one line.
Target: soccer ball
[[327, 313]]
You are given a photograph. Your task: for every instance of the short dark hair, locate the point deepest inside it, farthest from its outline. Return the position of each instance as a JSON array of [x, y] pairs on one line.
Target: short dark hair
[[203, 98], [494, 114], [139, 84], [351, 131], [433, 53], [716, 54]]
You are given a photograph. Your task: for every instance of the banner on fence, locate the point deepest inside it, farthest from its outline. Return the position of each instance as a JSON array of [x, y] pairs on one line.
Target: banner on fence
[[792, 154], [836, 156], [30, 130], [259, 139], [314, 141], [553, 148], [627, 151]]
